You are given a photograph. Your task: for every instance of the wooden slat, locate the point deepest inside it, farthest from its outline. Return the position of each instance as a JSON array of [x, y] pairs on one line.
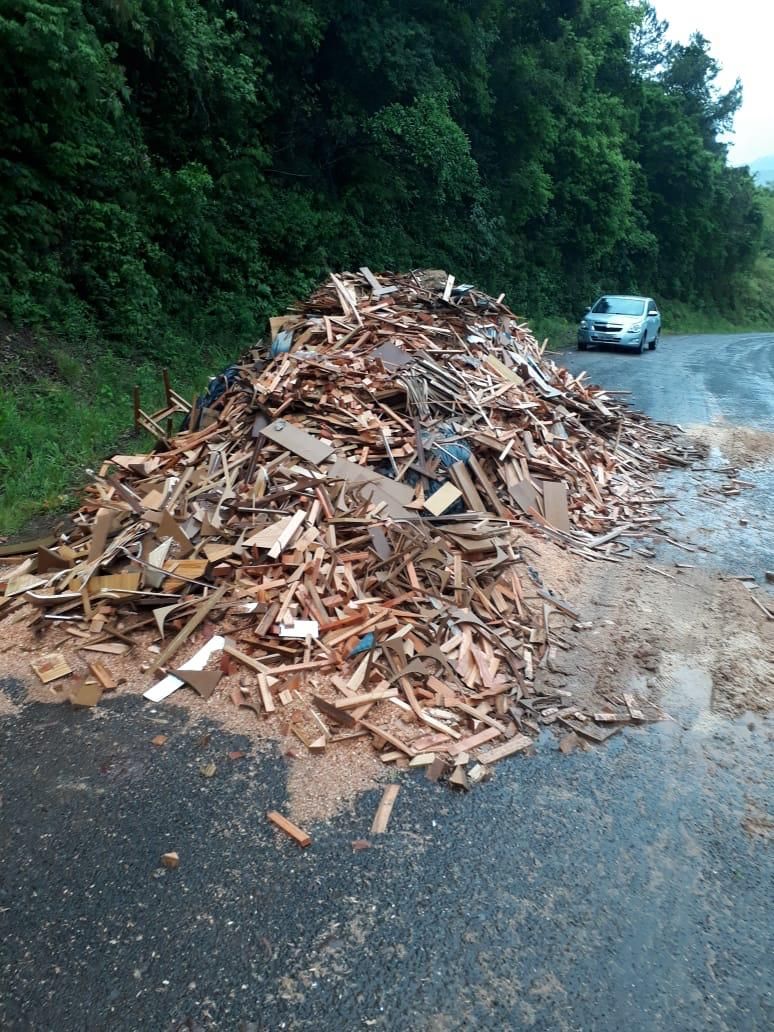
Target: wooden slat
[[384, 810]]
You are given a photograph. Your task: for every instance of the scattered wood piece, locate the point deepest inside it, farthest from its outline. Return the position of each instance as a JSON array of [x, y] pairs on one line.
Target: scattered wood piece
[[203, 682], [51, 667], [569, 743], [384, 810], [85, 693], [103, 675], [203, 610], [499, 752], [291, 829], [459, 778]]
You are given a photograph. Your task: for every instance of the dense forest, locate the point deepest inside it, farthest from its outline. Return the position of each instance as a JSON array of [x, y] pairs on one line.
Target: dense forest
[[175, 170]]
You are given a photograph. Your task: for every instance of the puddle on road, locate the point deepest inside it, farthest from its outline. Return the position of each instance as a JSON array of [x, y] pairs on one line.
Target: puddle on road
[[731, 534], [688, 686], [687, 697]]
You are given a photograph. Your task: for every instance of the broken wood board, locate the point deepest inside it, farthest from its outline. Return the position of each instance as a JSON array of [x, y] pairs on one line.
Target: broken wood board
[[384, 810]]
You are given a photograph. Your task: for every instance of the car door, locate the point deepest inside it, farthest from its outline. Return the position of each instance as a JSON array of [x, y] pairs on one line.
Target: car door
[[654, 321]]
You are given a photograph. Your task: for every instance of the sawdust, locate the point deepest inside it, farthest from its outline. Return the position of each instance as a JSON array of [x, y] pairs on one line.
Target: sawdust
[[664, 639], [741, 445], [8, 708], [319, 787], [636, 631]]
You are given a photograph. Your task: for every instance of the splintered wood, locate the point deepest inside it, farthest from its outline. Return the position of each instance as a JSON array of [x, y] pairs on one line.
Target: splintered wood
[[343, 524]]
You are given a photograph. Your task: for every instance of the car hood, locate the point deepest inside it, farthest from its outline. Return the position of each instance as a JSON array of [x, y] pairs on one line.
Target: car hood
[[611, 319]]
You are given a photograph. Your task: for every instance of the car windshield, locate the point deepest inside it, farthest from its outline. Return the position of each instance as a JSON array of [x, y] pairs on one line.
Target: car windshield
[[619, 306]]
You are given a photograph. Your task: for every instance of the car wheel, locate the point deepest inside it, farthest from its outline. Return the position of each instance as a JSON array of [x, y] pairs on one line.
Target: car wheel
[[654, 343], [582, 346], [643, 341]]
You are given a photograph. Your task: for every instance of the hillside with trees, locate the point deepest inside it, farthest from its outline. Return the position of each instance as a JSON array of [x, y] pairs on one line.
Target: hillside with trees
[[173, 171]]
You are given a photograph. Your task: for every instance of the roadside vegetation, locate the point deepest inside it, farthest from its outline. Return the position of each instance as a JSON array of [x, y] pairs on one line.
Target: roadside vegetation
[[174, 171]]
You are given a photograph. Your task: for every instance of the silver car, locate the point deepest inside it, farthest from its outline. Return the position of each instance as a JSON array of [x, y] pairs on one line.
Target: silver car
[[621, 319]]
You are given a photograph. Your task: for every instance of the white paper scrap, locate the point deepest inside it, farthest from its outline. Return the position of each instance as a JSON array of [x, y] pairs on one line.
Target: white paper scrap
[[300, 629], [164, 688]]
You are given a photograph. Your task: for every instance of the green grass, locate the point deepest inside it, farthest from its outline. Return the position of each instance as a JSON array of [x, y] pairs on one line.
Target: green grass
[[53, 430], [679, 318], [561, 332]]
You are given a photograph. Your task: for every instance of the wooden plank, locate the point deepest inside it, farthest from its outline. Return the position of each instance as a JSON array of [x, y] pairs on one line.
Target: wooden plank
[[51, 667], [26, 547], [589, 730], [99, 534], [525, 494], [499, 752], [462, 479], [287, 534], [375, 487], [294, 439], [631, 704], [241, 657], [103, 675], [266, 697], [555, 503], [466, 744], [333, 712], [384, 810], [478, 715], [392, 356], [265, 537], [503, 371], [376, 288], [443, 499], [115, 582], [387, 736], [352, 702], [297, 834], [487, 485], [110, 648], [48, 560]]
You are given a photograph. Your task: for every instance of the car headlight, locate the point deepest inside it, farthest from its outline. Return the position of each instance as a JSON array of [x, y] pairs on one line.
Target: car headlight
[[635, 328], [585, 324]]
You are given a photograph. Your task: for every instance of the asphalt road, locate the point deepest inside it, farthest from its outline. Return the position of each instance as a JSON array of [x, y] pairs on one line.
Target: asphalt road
[[705, 381], [616, 889], [689, 380]]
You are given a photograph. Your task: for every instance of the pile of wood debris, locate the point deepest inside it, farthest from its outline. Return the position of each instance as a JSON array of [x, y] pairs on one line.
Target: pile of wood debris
[[344, 520]]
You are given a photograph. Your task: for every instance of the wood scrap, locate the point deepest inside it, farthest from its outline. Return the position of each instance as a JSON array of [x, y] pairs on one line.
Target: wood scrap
[[297, 834], [384, 810]]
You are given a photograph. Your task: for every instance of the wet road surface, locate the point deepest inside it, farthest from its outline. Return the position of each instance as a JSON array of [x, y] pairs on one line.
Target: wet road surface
[[697, 379], [713, 381], [626, 887]]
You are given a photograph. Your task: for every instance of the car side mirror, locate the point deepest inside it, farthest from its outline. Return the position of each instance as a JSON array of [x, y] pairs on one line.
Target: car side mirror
[[587, 309], [653, 312]]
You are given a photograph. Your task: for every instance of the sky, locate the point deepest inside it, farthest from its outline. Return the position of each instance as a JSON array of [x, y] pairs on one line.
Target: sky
[[741, 33]]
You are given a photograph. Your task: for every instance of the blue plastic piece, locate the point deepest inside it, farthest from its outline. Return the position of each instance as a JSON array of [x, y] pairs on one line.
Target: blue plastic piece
[[365, 644], [281, 343], [217, 387]]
